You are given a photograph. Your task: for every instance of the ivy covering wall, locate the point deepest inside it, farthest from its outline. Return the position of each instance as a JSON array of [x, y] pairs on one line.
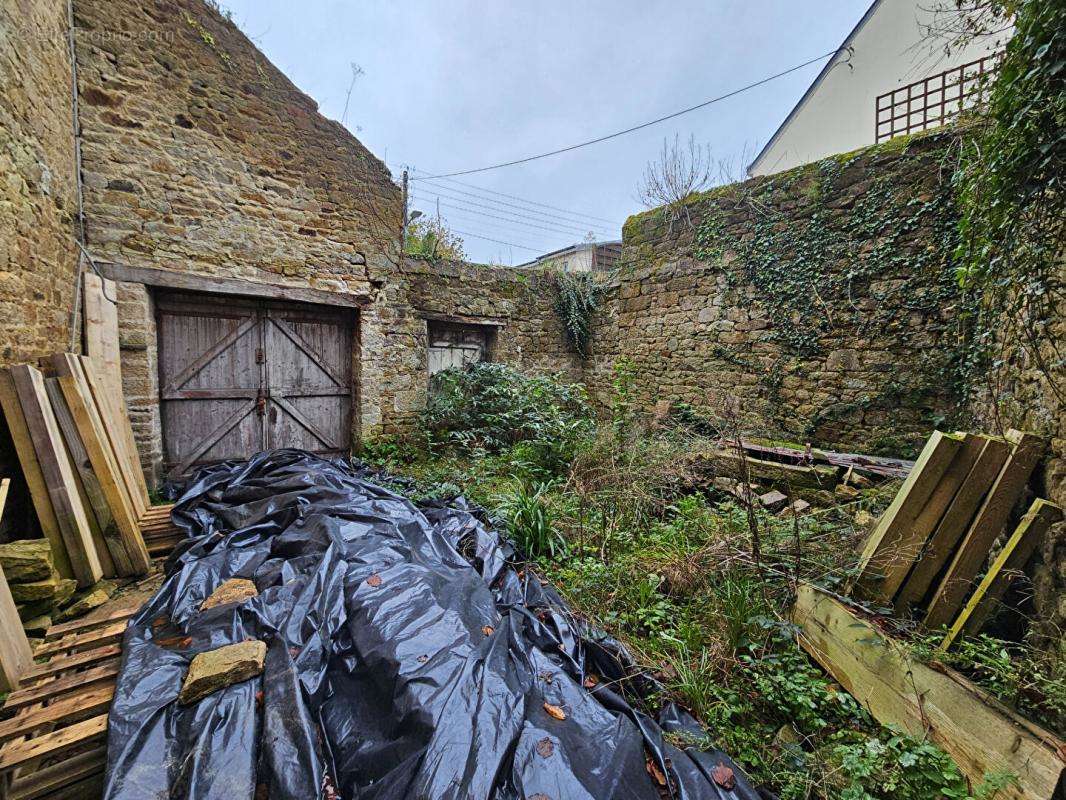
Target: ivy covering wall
[[823, 302]]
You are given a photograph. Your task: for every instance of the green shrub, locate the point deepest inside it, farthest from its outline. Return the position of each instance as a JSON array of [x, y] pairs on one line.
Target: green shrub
[[489, 408], [529, 522]]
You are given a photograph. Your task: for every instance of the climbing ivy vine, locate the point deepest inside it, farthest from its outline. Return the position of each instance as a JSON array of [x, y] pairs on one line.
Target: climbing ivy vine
[[868, 253], [578, 297], [1012, 194]]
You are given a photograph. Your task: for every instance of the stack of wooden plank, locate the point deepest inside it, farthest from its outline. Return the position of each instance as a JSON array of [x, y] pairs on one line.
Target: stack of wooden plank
[[83, 476], [160, 532], [934, 540], [52, 739], [75, 445]]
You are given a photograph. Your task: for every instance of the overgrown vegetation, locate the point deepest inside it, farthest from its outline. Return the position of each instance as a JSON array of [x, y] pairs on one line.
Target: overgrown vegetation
[[1011, 193], [578, 296], [626, 523], [430, 238]]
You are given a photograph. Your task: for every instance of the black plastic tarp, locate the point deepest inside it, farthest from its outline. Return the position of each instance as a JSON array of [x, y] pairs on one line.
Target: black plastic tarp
[[408, 656]]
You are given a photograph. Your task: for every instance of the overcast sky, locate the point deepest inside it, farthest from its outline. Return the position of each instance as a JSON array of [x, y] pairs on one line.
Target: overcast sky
[[455, 85]]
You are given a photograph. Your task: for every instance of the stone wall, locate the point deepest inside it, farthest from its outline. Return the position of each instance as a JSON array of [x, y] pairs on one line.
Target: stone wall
[[822, 301], [37, 198], [517, 303], [1028, 395], [201, 158]]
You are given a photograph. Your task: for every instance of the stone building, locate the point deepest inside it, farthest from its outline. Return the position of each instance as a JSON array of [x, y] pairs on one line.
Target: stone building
[[254, 241], [263, 298]]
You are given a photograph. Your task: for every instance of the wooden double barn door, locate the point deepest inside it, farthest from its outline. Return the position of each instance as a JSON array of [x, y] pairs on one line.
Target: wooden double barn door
[[237, 376]]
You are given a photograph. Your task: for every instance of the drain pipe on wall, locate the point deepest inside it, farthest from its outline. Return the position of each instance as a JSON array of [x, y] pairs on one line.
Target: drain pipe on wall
[[80, 229]]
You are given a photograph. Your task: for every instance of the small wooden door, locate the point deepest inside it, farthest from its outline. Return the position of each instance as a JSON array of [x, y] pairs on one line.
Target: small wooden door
[[238, 376]]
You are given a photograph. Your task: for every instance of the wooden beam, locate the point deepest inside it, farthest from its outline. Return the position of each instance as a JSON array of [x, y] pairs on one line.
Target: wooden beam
[[128, 466], [77, 777], [31, 471], [58, 474], [888, 543], [105, 534], [83, 659], [953, 524], [1007, 565], [913, 536], [84, 703], [52, 744], [235, 286], [68, 684], [77, 642], [16, 656], [134, 557], [61, 630], [987, 525], [980, 734], [103, 352]]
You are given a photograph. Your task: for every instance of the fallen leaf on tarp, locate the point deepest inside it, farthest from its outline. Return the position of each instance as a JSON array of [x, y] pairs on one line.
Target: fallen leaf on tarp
[[423, 659], [545, 747], [655, 772], [555, 711], [591, 680], [546, 676], [538, 796], [723, 776], [174, 642], [487, 630], [374, 580], [259, 698]]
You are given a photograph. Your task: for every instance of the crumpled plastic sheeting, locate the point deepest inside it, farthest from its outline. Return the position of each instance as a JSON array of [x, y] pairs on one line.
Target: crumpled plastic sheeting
[[406, 658]]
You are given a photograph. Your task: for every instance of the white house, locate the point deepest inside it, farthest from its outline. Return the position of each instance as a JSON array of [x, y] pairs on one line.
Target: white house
[[887, 79], [583, 257]]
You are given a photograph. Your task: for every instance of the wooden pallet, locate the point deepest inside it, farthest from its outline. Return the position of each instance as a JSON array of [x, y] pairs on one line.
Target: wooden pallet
[[160, 533], [54, 727]]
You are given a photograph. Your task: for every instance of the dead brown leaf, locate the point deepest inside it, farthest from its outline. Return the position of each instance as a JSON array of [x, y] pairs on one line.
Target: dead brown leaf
[[591, 680], [555, 711], [374, 580], [487, 630], [545, 747], [723, 776], [655, 772]]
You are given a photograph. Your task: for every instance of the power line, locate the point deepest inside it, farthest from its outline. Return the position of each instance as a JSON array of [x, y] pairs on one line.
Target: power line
[[519, 199], [570, 232], [545, 225], [567, 220], [497, 241], [505, 228], [641, 126]]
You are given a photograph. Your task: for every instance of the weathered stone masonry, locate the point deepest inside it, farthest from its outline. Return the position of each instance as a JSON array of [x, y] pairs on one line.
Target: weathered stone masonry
[[821, 300], [201, 159], [37, 198]]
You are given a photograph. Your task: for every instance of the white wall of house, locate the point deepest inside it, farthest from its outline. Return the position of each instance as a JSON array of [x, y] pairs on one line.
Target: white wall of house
[[578, 259], [837, 115]]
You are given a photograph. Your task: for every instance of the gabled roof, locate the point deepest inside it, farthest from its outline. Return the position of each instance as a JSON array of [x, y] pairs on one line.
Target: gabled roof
[[832, 62]]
